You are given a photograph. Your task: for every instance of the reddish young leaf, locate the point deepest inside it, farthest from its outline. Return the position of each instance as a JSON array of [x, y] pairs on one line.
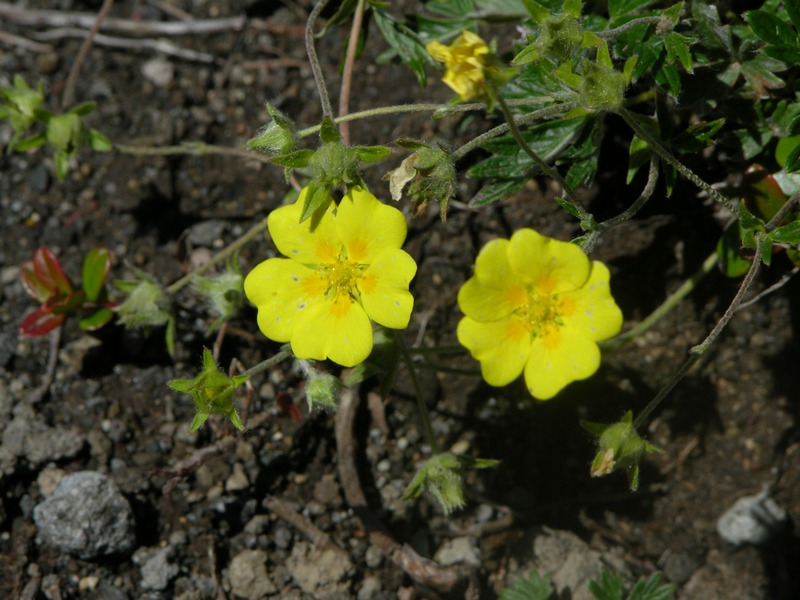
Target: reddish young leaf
[[40, 322]]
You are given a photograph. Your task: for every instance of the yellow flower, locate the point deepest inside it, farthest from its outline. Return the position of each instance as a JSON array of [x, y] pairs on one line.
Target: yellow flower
[[465, 60], [343, 269], [536, 305]]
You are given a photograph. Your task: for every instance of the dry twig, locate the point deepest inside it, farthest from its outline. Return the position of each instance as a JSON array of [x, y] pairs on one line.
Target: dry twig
[[72, 78], [317, 537], [422, 570], [14, 40]]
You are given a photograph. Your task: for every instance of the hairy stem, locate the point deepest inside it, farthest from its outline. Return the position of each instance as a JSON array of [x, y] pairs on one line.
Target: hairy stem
[[708, 265], [668, 158], [284, 353], [313, 60], [698, 351], [423, 409], [220, 256]]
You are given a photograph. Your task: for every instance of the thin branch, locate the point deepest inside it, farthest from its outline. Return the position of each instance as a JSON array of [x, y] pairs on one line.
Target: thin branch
[[422, 570], [74, 72], [132, 44], [771, 289], [347, 73], [20, 42], [317, 537], [697, 351], [192, 149], [313, 60]]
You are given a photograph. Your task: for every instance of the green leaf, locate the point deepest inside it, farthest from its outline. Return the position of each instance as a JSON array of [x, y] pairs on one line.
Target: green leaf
[[62, 164], [496, 191], [346, 9], [770, 28], [96, 267], [639, 154], [607, 586], [652, 589], [696, 137], [82, 109], [531, 587], [328, 132], [787, 234], [788, 54], [294, 160], [537, 12], [61, 131], [317, 198], [96, 320], [730, 261], [618, 8], [405, 44], [677, 47], [793, 10], [99, 142], [793, 160], [709, 28], [568, 206], [31, 142], [372, 153]]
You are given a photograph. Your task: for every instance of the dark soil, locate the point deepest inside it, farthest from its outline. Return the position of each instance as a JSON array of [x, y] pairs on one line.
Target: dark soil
[[728, 430]]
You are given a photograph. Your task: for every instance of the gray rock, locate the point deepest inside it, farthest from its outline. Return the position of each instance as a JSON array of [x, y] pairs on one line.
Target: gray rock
[[158, 71], [157, 571], [460, 550], [324, 574], [37, 443], [86, 516], [248, 575], [370, 589], [752, 520]]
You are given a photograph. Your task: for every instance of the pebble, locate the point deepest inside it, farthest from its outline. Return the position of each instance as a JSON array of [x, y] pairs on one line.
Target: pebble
[[86, 516], [373, 557], [158, 71], [323, 574], [370, 589], [460, 550], [237, 480], [37, 443], [248, 575], [752, 520], [157, 571]]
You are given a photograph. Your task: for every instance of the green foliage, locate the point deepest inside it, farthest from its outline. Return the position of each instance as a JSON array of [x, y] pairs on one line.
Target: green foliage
[[212, 392], [532, 587], [442, 477], [64, 133], [607, 586], [224, 292], [147, 305]]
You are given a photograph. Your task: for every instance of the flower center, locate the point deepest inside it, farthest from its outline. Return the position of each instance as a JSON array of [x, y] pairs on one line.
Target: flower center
[[341, 277], [542, 313]]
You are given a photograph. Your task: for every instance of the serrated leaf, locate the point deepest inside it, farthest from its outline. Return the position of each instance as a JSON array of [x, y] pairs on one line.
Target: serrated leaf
[[792, 8], [787, 234], [652, 589], [770, 28], [496, 191], [710, 29], [788, 54], [568, 206], [537, 12], [677, 47], [406, 44], [607, 586], [531, 587]]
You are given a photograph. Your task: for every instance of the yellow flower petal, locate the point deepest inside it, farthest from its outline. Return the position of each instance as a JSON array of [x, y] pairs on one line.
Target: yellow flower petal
[[438, 51], [384, 289], [595, 314], [494, 291], [558, 358], [502, 347], [282, 290], [311, 242], [465, 59], [366, 226], [549, 265], [337, 329]]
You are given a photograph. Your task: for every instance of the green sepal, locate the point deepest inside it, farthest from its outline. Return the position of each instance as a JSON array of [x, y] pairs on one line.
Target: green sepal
[[293, 160], [442, 477], [537, 12], [317, 198], [277, 137], [99, 142], [620, 448], [224, 292], [372, 153], [212, 392], [328, 132]]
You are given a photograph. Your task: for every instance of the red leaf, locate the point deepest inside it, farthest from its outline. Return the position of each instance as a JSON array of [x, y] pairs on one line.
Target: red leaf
[[40, 322], [48, 270]]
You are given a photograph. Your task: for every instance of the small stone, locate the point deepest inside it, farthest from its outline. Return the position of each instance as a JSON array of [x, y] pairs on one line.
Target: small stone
[[47, 62], [752, 520], [157, 571], [248, 575], [457, 551], [158, 71], [323, 574], [49, 479], [370, 589], [86, 516], [237, 480], [37, 443], [373, 557]]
